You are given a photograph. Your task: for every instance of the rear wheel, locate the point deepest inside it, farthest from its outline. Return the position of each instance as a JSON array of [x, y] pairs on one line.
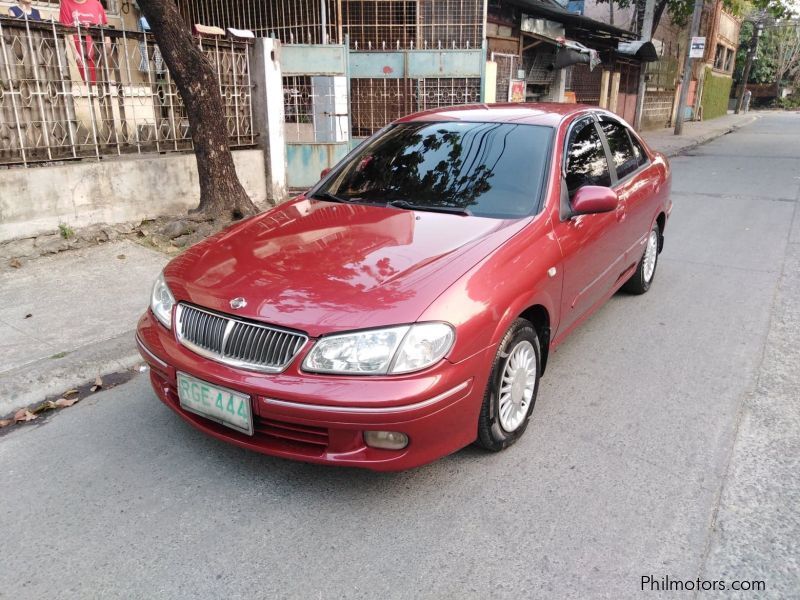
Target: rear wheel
[[512, 388], [640, 282]]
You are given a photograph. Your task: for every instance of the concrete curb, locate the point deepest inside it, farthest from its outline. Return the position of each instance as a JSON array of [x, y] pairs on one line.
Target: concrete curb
[[47, 377], [711, 136]]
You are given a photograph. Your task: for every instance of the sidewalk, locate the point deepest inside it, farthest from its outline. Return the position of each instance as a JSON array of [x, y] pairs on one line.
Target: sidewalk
[[695, 133], [70, 317]]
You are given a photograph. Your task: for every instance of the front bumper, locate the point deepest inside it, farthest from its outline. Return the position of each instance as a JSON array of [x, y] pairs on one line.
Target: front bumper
[[321, 418]]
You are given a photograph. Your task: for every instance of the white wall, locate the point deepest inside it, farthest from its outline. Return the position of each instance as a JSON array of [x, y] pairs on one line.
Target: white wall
[[35, 200]]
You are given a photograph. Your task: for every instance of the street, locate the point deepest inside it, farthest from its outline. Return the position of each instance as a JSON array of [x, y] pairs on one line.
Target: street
[[664, 443]]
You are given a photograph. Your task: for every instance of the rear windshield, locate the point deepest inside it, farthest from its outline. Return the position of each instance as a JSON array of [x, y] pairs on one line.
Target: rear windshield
[[491, 169]]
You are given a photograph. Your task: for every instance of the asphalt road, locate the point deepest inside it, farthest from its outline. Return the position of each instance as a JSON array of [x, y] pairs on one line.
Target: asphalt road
[[664, 442]]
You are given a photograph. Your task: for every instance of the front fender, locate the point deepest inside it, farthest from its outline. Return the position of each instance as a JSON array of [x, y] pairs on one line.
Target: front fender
[[484, 302]]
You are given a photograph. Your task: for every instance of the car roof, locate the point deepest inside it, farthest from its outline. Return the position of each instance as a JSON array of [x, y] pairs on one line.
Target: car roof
[[549, 114]]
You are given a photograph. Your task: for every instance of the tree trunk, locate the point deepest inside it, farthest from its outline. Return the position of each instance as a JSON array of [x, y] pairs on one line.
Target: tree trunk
[[221, 192], [640, 8], [657, 13]]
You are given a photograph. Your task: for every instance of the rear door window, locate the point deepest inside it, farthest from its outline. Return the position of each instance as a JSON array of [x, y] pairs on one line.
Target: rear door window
[[623, 154]]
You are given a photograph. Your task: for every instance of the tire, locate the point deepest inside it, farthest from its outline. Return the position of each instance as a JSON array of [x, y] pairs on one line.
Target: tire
[[520, 346], [645, 273]]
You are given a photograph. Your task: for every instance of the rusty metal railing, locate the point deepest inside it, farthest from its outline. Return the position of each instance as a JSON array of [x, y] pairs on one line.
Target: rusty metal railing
[[77, 92]]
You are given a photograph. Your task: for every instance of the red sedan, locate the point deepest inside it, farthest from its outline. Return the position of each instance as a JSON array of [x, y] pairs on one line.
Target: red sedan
[[406, 306]]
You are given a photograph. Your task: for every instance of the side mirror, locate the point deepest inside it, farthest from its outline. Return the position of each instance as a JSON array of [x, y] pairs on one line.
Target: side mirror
[[593, 199], [324, 172]]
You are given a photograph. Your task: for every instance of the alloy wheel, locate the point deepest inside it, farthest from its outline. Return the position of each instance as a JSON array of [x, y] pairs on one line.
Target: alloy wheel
[[650, 255], [517, 386]]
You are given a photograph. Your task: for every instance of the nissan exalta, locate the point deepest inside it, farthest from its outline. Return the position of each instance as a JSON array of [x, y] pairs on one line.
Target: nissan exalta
[[407, 305]]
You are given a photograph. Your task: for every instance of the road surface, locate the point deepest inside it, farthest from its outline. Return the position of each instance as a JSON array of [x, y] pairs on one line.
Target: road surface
[[664, 443]]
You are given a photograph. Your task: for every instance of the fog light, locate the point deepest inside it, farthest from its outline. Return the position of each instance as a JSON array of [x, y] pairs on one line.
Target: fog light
[[388, 440]]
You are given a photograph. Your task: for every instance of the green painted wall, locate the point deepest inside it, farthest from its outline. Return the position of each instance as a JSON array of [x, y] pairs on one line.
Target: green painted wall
[[716, 91]]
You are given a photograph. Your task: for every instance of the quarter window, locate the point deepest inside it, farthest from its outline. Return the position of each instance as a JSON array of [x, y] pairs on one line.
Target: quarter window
[[622, 151], [641, 155], [586, 158]]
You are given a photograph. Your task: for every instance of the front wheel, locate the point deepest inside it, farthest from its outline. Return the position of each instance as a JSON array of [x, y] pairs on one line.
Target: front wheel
[[640, 281], [511, 391]]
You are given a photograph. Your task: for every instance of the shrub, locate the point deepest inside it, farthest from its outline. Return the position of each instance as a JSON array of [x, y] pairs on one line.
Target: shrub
[[66, 231], [789, 102], [716, 91]]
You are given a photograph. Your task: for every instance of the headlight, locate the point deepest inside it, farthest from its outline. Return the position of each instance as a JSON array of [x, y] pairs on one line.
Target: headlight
[[381, 351], [162, 301]]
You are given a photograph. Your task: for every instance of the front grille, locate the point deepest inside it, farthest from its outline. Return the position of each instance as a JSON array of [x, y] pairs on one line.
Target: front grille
[[237, 342]]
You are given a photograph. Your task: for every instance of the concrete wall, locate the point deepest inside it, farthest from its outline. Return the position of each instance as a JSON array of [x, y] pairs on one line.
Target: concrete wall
[[36, 200]]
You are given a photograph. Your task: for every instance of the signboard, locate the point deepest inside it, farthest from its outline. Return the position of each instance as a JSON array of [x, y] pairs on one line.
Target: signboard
[[516, 91], [698, 48]]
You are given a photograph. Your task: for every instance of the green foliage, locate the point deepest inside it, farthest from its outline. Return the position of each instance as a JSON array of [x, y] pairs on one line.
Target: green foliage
[[778, 9], [779, 39], [66, 231], [680, 11], [716, 91], [788, 103], [763, 69]]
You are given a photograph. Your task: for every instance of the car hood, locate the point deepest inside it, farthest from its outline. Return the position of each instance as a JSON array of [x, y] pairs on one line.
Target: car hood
[[322, 267]]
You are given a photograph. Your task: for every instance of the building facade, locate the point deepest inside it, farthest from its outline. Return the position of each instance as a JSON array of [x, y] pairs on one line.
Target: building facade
[[302, 81], [711, 77]]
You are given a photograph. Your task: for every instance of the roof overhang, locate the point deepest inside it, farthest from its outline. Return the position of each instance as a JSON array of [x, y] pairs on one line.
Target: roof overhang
[[644, 51], [593, 33]]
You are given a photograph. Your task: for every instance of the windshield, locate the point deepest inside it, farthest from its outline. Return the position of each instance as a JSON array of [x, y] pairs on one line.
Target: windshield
[[490, 169]]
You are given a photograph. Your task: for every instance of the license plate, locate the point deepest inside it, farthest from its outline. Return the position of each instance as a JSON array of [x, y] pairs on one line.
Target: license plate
[[219, 404]]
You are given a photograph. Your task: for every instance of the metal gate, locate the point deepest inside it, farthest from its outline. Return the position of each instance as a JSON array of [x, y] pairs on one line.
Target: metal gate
[[506, 64], [387, 85], [315, 110], [333, 97]]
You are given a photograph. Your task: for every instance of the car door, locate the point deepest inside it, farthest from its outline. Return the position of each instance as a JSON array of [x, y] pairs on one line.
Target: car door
[[590, 244], [635, 184]]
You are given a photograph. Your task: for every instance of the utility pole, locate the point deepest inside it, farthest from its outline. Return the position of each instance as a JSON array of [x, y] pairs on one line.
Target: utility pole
[[751, 54], [687, 66], [644, 36]]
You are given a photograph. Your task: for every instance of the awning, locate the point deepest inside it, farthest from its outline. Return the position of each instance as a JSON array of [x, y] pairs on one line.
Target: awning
[[644, 51], [593, 33]]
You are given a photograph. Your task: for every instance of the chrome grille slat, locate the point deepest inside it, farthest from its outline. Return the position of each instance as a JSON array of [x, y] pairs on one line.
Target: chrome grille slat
[[243, 338], [252, 353], [203, 331], [251, 345], [273, 353], [231, 344], [247, 345], [282, 348], [262, 337], [273, 335], [220, 333]]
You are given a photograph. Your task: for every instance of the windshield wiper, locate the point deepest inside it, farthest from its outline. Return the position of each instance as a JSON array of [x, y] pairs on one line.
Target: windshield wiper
[[455, 210], [329, 197]]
